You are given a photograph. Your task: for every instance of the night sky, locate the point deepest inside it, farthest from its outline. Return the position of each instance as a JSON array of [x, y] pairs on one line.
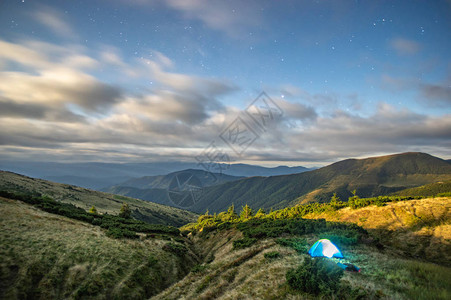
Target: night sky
[[154, 80]]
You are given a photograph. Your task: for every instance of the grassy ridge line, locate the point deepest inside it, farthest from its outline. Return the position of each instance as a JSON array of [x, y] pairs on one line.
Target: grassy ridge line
[[104, 202], [47, 256], [207, 221]]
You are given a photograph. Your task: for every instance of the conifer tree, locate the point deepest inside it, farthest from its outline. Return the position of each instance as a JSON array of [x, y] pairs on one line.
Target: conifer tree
[[125, 213], [260, 213], [231, 214], [246, 212], [93, 210]]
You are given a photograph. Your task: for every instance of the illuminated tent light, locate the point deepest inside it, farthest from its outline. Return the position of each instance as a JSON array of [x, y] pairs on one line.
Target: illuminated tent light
[[326, 248]]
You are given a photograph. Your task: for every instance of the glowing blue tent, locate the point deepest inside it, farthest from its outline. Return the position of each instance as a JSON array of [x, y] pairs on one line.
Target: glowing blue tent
[[325, 248]]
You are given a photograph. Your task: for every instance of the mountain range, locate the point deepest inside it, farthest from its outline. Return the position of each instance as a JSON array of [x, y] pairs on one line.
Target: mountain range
[[368, 177], [95, 175]]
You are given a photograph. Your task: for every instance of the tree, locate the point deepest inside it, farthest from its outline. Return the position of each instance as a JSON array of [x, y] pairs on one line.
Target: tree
[[125, 213], [334, 199], [352, 201], [260, 213], [204, 217], [246, 212], [231, 214], [93, 210]]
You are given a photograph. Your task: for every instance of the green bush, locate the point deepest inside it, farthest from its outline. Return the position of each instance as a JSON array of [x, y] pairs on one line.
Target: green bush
[[341, 237], [175, 248], [272, 255], [119, 233], [199, 268], [243, 243], [315, 276], [298, 244]]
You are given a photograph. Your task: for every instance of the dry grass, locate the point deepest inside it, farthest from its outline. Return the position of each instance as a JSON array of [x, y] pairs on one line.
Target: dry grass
[[246, 274], [419, 228], [45, 256], [85, 198]]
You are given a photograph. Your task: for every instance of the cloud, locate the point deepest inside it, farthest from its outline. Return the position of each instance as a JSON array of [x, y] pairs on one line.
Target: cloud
[[297, 111], [54, 21], [431, 94], [11, 109], [234, 17], [59, 87], [345, 135], [436, 94], [52, 106], [405, 47]]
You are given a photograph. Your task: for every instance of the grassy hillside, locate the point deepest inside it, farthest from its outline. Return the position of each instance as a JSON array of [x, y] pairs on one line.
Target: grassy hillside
[[428, 190], [415, 228], [225, 256], [105, 203], [46, 256], [252, 261], [370, 177]]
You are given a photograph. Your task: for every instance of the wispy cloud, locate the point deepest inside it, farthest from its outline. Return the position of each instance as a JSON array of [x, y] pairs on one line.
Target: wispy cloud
[[54, 21], [234, 17], [404, 46]]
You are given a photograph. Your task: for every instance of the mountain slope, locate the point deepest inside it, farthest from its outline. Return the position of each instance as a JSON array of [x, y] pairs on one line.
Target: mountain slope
[[428, 190], [415, 228], [387, 271], [46, 256], [370, 177], [105, 203], [163, 181]]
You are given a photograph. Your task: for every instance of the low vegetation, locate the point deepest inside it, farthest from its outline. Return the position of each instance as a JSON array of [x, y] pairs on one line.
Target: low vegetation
[[315, 276], [49, 256], [120, 226], [104, 203]]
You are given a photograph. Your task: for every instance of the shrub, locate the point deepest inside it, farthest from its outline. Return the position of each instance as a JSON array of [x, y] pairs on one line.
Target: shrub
[[243, 243], [315, 276], [125, 211], [341, 237], [272, 255], [177, 249], [298, 244], [199, 268], [118, 233]]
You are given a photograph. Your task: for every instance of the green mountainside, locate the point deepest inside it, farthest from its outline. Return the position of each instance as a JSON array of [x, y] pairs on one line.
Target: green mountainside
[[155, 188], [104, 202], [433, 189], [163, 181], [369, 177]]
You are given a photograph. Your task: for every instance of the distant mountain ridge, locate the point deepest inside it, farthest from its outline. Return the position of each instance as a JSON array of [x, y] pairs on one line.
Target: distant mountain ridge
[[369, 177], [96, 175], [163, 181], [155, 188]]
